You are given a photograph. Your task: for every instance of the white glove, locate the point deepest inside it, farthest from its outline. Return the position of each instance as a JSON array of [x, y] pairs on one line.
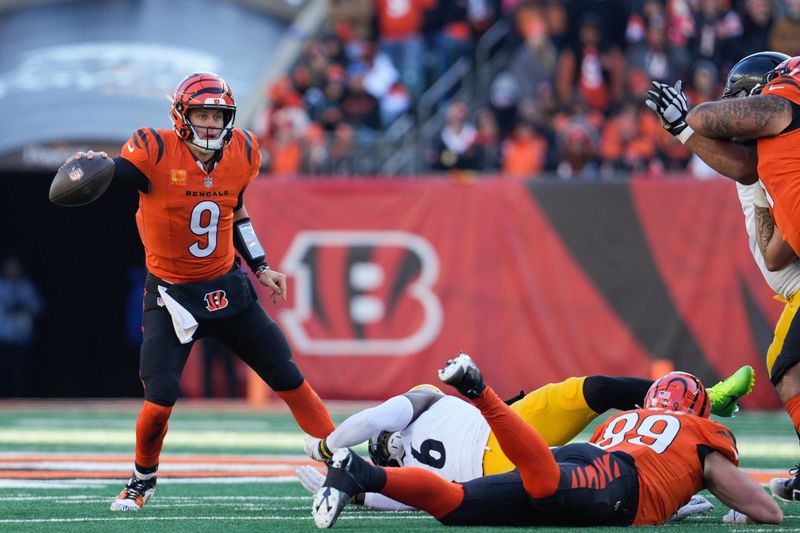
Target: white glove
[[735, 517], [310, 478], [760, 196], [314, 448], [697, 505], [670, 104]]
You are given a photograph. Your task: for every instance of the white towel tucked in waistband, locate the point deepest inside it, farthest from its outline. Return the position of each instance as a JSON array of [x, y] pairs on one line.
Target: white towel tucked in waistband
[[182, 320]]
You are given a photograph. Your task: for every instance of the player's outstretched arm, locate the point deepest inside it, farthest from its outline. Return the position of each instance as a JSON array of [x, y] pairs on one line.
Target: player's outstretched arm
[[753, 117], [736, 490], [395, 414]]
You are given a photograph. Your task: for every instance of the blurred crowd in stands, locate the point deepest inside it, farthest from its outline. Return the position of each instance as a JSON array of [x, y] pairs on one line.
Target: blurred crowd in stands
[[567, 102]]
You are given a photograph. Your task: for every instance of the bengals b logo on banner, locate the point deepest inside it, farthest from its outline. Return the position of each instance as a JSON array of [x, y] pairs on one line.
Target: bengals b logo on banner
[[362, 293], [216, 300]]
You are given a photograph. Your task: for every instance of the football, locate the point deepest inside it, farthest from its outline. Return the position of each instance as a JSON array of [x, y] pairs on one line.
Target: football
[[81, 181]]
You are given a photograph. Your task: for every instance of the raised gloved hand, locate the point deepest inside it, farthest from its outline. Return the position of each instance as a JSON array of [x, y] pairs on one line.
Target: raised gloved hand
[[670, 104]]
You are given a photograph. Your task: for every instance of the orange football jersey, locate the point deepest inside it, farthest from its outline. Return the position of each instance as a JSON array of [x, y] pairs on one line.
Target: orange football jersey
[[186, 220], [779, 166], [664, 445]]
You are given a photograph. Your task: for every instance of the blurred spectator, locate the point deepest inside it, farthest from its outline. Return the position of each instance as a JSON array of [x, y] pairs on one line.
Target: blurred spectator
[[451, 35], [285, 147], [528, 12], [360, 108], [593, 66], [524, 152], [342, 155], [400, 36], [329, 114], [20, 304], [379, 72], [504, 99], [488, 140], [704, 84], [353, 18], [756, 24], [628, 140], [534, 62], [577, 142], [610, 16], [315, 153], [785, 33], [654, 57], [716, 31], [394, 104], [456, 146]]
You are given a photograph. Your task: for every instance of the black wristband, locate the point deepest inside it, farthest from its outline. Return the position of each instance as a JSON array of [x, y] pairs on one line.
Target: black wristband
[[247, 245]]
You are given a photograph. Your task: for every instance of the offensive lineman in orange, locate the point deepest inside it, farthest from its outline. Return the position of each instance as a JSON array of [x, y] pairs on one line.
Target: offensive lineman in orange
[[192, 222], [717, 131], [638, 468]]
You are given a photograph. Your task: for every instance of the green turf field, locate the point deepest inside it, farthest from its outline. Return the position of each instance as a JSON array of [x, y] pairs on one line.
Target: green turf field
[[72, 435]]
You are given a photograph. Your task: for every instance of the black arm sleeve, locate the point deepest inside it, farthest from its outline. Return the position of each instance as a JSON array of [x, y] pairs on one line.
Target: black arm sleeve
[[702, 452], [127, 172], [246, 243]]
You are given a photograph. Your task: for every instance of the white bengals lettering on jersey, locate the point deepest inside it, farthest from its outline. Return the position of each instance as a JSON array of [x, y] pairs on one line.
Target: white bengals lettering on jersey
[[449, 438]]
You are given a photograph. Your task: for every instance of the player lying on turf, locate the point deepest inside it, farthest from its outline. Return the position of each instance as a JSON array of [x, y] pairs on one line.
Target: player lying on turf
[[449, 437], [638, 468]]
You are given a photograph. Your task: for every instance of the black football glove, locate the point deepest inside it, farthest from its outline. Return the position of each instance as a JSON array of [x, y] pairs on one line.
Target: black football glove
[[669, 103]]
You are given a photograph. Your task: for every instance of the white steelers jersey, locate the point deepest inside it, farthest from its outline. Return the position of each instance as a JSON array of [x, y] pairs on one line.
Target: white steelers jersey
[[449, 439], [785, 281]]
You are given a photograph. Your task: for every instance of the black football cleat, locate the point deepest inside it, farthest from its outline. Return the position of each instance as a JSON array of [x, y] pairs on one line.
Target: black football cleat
[[787, 489], [463, 374], [340, 485]]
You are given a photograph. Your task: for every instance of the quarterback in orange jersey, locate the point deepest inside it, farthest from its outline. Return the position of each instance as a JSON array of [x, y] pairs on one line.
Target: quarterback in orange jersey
[[638, 468], [193, 222], [761, 102]]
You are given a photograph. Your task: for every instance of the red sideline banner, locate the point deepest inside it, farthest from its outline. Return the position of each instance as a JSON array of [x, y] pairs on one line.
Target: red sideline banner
[[388, 279]]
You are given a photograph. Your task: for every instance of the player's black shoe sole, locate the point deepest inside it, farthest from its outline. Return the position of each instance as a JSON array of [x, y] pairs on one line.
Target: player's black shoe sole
[[341, 484], [463, 374]]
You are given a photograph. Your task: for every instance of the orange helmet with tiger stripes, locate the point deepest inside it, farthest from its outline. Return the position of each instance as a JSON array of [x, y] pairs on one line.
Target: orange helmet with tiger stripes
[[203, 90], [788, 70], [679, 391]]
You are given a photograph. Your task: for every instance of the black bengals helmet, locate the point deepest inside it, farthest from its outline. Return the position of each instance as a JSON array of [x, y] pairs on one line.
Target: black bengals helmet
[[748, 72]]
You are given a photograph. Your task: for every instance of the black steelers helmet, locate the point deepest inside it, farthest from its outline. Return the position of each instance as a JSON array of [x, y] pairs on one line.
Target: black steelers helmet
[[747, 73]]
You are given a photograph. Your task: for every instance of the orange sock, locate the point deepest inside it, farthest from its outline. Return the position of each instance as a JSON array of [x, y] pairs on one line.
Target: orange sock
[[522, 444], [423, 489], [151, 428], [311, 414], [793, 408]]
